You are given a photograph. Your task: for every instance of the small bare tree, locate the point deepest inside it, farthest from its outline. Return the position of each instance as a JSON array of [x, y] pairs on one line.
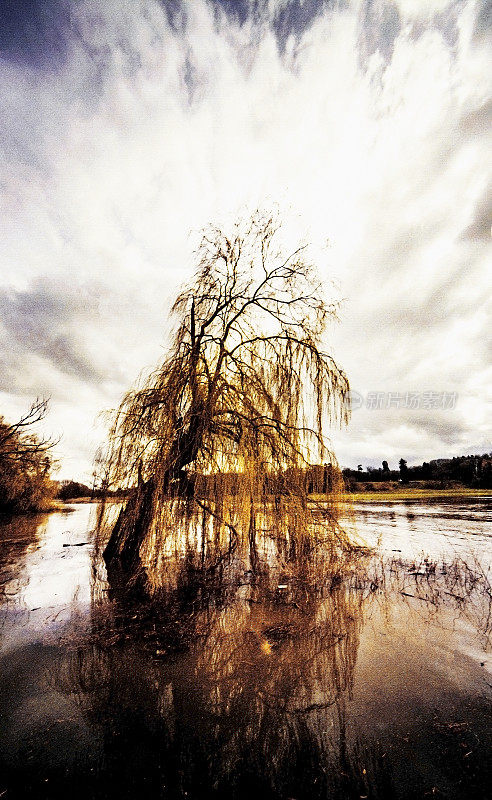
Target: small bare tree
[[25, 462], [237, 410]]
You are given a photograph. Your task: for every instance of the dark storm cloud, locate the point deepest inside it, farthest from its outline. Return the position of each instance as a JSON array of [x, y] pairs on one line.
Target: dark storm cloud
[[51, 321], [483, 22], [298, 15], [286, 19], [381, 24], [138, 120], [34, 31], [379, 27], [239, 10], [56, 64], [176, 13]]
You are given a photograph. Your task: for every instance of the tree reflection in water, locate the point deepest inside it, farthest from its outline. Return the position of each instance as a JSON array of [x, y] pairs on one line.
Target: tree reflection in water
[[336, 674], [232, 681], [254, 702], [229, 682]]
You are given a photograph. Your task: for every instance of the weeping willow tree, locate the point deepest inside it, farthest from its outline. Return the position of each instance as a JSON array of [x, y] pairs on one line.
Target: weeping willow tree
[[224, 433]]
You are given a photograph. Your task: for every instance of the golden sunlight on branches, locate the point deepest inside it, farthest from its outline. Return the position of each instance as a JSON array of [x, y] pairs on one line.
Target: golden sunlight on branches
[[230, 425]]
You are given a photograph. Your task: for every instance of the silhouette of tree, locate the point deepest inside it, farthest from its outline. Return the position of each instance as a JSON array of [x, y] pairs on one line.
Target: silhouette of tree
[[239, 406], [402, 464]]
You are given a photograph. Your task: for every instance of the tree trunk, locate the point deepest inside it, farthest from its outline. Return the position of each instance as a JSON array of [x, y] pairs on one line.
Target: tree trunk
[[122, 553]]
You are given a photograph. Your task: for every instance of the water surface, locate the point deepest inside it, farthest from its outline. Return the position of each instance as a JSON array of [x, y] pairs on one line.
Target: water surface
[[372, 684]]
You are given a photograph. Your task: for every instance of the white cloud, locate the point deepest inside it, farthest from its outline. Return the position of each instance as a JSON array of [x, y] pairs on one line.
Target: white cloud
[[422, 8], [150, 131]]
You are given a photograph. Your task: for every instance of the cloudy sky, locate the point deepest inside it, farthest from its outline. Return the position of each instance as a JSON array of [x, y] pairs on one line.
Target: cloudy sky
[[127, 125]]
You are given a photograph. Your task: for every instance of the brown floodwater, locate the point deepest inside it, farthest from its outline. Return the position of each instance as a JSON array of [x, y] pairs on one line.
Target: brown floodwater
[[370, 682]]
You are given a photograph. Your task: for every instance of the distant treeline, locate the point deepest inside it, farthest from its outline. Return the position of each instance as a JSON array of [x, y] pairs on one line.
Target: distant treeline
[[70, 490], [473, 471], [320, 478]]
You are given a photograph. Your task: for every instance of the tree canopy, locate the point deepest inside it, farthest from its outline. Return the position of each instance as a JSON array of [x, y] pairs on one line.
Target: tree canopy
[[25, 462], [239, 406]]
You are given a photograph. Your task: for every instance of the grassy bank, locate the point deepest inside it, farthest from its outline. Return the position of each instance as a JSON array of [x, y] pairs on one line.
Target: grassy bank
[[388, 496], [80, 500], [401, 494]]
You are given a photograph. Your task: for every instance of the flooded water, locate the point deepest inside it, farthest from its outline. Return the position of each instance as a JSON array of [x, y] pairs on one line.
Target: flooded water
[[374, 683]]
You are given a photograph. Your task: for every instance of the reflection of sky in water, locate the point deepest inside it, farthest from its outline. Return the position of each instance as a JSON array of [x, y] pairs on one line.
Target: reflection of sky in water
[[437, 530], [48, 587], [356, 682], [50, 581]]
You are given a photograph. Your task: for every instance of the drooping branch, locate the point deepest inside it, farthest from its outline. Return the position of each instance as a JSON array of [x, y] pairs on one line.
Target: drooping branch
[[246, 389]]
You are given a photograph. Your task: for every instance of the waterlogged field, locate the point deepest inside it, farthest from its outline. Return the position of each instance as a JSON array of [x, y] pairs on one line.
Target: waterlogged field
[[371, 681]]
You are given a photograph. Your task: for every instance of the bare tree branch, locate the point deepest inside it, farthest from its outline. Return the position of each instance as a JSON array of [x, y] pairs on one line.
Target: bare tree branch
[[245, 392]]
